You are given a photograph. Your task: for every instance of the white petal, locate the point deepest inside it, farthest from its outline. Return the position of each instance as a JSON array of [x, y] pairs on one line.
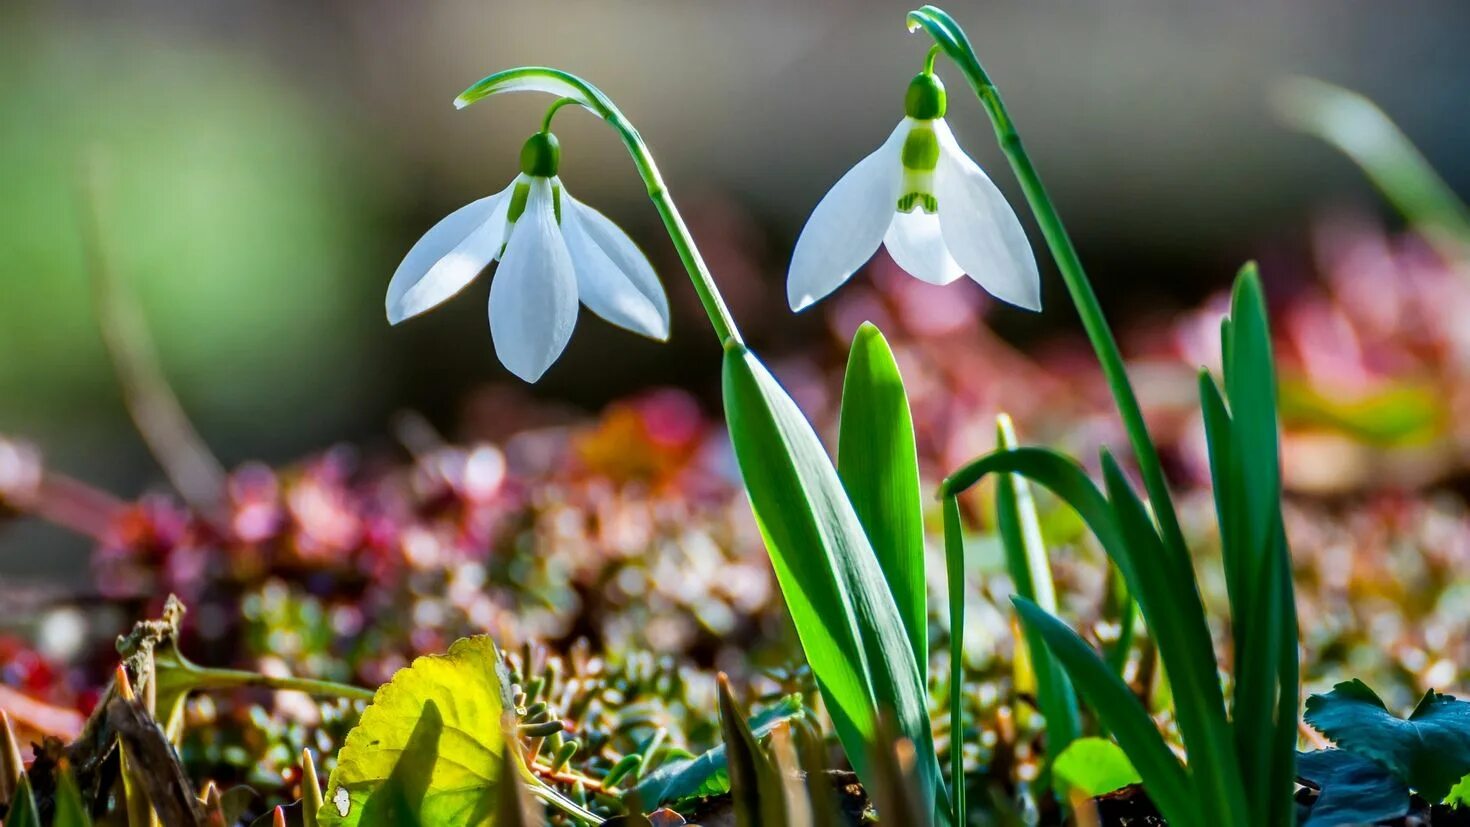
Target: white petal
[[448, 257], [614, 278], [915, 242], [533, 299], [848, 224], [980, 228]]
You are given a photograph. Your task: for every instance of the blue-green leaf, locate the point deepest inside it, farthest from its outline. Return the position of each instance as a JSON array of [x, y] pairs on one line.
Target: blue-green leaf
[[879, 466], [1351, 789], [1430, 750]]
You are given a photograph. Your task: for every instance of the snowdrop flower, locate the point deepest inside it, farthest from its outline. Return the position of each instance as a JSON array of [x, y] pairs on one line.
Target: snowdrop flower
[[553, 251], [921, 196]]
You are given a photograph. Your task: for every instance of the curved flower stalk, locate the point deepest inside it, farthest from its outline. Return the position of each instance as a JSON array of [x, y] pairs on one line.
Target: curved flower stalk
[[572, 89], [553, 251], [923, 198], [844, 612]]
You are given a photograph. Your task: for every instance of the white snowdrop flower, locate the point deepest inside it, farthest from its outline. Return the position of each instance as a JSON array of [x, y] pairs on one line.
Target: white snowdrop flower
[[920, 195], [553, 250]]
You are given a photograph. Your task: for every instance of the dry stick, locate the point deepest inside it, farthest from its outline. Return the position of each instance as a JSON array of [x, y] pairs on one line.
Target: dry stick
[[191, 467]]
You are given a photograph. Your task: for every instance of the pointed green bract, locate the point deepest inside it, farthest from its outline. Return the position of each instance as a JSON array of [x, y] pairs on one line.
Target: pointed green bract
[[879, 466], [705, 773], [428, 748], [23, 811], [70, 810], [844, 614]]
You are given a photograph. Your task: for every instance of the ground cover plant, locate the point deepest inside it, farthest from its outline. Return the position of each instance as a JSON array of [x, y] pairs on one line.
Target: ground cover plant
[[587, 627]]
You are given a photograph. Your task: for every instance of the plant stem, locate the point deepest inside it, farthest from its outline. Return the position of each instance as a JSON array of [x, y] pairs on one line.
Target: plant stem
[[228, 678], [540, 78], [952, 40]]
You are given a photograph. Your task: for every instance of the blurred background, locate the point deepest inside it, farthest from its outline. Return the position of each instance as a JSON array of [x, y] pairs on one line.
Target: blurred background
[[252, 174]]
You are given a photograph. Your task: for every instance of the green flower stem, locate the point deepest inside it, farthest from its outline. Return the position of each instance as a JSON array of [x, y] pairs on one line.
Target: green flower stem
[[952, 40], [231, 678], [569, 86]]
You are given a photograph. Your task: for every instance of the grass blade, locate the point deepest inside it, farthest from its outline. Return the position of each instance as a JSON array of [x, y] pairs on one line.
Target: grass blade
[[1119, 710], [844, 614], [1026, 559], [954, 565], [879, 466]]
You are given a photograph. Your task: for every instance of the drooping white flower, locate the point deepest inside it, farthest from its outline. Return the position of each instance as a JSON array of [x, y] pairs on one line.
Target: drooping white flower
[[923, 198], [554, 251]]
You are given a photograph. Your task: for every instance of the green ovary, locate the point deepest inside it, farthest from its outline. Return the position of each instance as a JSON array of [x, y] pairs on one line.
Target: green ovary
[[920, 158]]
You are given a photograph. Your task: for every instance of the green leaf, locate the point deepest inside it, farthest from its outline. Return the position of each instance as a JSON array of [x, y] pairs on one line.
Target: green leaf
[[70, 810], [845, 617], [1095, 766], [1351, 789], [1359, 129], [879, 466], [1026, 560], [1430, 750], [23, 811], [428, 748], [954, 566], [1120, 711], [705, 774]]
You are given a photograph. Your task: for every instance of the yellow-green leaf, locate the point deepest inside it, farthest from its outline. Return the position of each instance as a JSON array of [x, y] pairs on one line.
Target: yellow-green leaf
[[428, 748]]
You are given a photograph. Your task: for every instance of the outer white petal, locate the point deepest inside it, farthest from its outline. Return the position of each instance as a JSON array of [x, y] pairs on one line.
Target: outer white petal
[[533, 299], [980, 228], [448, 257], [915, 242], [848, 224], [614, 278]]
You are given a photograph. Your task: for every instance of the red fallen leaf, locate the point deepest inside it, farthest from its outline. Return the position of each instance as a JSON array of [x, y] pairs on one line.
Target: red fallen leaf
[[33, 719]]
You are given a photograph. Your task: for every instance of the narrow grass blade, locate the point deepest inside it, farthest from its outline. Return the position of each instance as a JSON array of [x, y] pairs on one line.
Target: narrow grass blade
[[1360, 130], [1165, 586], [311, 788], [1119, 710], [756, 793], [1026, 559], [844, 614], [23, 812], [879, 466], [70, 810], [954, 560]]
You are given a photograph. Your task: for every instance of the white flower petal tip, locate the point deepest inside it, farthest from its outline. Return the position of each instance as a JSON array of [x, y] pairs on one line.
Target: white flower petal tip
[[848, 224], [448, 257], [980, 228], [614, 278], [533, 298]]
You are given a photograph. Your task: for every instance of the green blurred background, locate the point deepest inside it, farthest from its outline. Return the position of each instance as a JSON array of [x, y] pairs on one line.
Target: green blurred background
[[258, 169]]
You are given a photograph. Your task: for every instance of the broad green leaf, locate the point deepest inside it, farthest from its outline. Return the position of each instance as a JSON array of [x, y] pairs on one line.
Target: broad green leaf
[[70, 810], [1120, 711], [1430, 750], [1094, 766], [1026, 560], [848, 624], [1351, 789], [879, 466], [705, 775], [428, 748]]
